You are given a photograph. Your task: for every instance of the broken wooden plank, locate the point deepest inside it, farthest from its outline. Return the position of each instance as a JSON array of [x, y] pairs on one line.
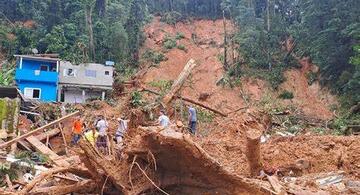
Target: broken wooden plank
[[25, 145], [46, 151], [31, 113], [66, 178], [64, 139], [179, 81], [38, 129], [51, 133], [81, 187], [8, 182], [40, 137], [275, 183]]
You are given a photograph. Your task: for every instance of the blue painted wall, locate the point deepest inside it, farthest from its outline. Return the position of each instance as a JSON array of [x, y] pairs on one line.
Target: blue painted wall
[[48, 91], [47, 81], [35, 64]]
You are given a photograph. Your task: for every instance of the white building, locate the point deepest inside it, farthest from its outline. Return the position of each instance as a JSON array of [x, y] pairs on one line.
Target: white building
[[80, 82]]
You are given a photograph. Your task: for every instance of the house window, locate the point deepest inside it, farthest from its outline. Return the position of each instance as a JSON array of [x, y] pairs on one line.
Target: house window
[[90, 73], [44, 68], [107, 73], [70, 72], [32, 93]]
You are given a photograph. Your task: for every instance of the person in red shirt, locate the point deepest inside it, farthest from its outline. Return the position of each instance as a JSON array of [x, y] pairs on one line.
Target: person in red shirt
[[77, 130]]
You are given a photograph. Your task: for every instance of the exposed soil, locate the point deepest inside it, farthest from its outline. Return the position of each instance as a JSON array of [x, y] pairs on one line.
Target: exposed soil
[[313, 100], [227, 144], [208, 70]]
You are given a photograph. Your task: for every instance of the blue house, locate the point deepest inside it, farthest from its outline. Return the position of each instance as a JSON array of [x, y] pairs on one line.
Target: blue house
[[37, 77]]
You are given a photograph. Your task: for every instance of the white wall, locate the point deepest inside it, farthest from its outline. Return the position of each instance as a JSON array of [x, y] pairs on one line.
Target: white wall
[[75, 96], [80, 77]]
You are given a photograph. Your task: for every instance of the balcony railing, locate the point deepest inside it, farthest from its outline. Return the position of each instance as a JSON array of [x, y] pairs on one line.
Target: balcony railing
[[36, 75]]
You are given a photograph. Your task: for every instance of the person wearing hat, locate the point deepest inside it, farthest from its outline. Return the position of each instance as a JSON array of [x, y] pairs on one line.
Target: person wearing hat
[[121, 130]]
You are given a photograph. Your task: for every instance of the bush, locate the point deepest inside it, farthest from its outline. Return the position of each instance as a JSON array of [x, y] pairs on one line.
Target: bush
[[172, 17], [286, 95], [179, 36], [205, 116], [136, 99], [311, 77], [163, 85], [154, 56], [169, 43], [7, 73], [182, 47]]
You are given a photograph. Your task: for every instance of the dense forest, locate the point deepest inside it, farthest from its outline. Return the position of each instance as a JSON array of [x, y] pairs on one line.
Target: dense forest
[[327, 31]]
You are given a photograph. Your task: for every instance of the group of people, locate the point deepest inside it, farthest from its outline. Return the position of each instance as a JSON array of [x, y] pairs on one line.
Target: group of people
[[98, 134], [164, 120]]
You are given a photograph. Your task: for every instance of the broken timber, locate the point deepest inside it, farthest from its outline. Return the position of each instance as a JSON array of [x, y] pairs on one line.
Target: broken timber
[[45, 150], [190, 101], [179, 81], [38, 129], [174, 153]]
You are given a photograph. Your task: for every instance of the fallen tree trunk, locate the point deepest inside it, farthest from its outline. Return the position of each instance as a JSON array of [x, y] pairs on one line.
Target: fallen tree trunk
[[83, 187], [50, 173], [37, 130], [176, 161], [190, 101], [179, 81], [202, 105]]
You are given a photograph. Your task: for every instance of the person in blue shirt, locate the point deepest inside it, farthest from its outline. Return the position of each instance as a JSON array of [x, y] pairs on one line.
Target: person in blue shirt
[[192, 120]]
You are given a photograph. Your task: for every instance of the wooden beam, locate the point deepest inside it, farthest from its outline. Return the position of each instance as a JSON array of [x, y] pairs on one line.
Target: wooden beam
[[202, 105], [179, 81], [64, 139], [46, 134], [45, 150], [190, 101], [38, 129]]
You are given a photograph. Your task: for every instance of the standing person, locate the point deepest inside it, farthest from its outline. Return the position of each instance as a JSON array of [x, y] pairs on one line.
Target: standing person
[[164, 121], [192, 120], [101, 141], [122, 128], [77, 130]]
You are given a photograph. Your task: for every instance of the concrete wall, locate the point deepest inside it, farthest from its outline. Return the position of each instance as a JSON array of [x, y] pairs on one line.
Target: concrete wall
[[76, 95], [80, 77]]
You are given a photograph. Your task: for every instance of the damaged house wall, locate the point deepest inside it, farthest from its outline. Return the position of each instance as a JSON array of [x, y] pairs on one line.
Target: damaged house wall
[[77, 83], [9, 115]]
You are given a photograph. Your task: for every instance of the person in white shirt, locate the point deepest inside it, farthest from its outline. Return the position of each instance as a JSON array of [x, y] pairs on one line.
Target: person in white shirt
[[102, 126], [164, 121], [122, 128]]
